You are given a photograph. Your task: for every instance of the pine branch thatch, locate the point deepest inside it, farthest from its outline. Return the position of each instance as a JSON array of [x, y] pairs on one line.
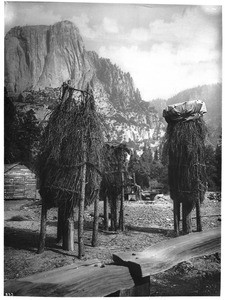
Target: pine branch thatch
[[114, 163], [71, 125], [185, 146]]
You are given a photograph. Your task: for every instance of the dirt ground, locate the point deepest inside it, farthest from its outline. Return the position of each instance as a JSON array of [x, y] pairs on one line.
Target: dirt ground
[[146, 222]]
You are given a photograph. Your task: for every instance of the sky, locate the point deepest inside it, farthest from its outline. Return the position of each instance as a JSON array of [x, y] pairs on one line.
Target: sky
[[166, 48]]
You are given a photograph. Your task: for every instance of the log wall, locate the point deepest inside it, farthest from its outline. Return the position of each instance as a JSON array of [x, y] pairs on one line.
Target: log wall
[[19, 182]]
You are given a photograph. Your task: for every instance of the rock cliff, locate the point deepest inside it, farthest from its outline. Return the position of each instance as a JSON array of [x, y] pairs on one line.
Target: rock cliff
[[39, 58]]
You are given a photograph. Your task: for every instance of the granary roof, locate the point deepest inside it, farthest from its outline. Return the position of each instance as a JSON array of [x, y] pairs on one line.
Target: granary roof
[[186, 111], [8, 167]]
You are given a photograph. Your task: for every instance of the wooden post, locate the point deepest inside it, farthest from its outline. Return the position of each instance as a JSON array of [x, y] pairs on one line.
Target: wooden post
[[115, 213], [113, 202], [112, 213], [106, 213], [96, 222], [121, 220], [42, 236], [198, 215], [176, 216], [60, 225], [68, 234], [81, 203], [70, 225], [186, 219]]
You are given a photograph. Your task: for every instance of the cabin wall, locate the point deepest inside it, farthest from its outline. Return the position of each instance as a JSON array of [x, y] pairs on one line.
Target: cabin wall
[[19, 183]]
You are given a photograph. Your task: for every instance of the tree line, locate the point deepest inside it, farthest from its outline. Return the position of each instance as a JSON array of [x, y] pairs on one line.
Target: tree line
[[22, 133]]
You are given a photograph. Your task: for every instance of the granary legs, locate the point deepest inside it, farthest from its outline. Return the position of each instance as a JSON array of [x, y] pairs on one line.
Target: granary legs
[[81, 207], [113, 202], [43, 228], [186, 218], [176, 216], [121, 219], [60, 225], [198, 216], [65, 213], [68, 234], [95, 223], [106, 213]]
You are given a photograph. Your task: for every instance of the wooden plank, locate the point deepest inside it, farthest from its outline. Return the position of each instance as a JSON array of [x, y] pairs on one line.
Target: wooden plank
[[9, 188], [163, 256], [9, 197], [130, 278], [19, 190], [73, 281], [8, 179], [30, 188], [141, 288]]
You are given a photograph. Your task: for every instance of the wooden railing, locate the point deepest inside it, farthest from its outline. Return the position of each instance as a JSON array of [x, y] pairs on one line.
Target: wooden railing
[[129, 275]]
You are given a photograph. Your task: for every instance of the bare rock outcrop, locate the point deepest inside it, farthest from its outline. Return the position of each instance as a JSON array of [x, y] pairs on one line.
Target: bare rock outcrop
[[40, 56]]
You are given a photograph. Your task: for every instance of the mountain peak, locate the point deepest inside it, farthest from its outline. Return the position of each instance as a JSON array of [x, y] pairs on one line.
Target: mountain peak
[[46, 56], [66, 24]]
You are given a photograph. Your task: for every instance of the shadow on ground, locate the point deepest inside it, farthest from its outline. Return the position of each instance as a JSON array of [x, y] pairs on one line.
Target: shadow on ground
[[88, 225], [24, 239], [27, 239], [163, 231]]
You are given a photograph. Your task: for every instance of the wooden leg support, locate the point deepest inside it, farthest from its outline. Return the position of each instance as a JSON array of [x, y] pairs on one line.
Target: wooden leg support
[[186, 219], [60, 225], [106, 213], [42, 237], [198, 216], [68, 235], [95, 223], [176, 215]]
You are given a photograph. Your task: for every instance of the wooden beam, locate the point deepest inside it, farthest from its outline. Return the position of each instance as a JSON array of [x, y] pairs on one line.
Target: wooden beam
[[73, 281], [130, 278], [165, 255]]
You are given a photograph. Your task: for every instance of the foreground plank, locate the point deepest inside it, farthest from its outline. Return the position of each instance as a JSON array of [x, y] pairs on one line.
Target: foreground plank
[[130, 276], [73, 281], [163, 256]]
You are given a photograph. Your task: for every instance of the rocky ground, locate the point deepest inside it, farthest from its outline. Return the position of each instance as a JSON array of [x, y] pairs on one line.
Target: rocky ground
[[146, 222]]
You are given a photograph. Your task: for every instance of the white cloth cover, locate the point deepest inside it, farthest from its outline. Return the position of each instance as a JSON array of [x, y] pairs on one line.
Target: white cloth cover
[[185, 111]]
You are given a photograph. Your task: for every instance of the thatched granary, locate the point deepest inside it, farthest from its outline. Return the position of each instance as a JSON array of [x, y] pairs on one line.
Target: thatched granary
[[114, 176], [73, 132], [71, 155], [185, 146]]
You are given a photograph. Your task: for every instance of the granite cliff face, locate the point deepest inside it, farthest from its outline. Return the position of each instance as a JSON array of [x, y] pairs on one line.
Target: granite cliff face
[[131, 119], [39, 58]]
